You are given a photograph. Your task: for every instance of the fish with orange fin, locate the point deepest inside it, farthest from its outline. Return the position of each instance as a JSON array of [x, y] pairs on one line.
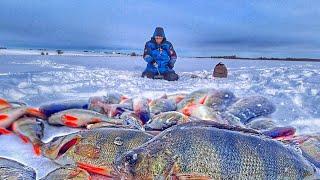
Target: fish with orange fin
[[68, 172], [30, 129], [203, 112], [79, 118], [196, 97], [9, 115], [219, 100], [94, 150]]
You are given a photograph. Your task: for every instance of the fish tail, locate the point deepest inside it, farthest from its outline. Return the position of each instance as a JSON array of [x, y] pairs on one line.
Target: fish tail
[[4, 103], [4, 131], [36, 112]]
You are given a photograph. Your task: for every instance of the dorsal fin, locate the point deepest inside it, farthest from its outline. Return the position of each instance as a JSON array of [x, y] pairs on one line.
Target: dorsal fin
[[205, 123]]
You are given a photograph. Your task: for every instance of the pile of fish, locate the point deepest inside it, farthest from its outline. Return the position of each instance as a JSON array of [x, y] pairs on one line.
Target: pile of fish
[[206, 134]]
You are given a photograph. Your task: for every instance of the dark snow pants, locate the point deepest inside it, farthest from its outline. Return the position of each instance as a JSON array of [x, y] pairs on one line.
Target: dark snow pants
[[169, 76]]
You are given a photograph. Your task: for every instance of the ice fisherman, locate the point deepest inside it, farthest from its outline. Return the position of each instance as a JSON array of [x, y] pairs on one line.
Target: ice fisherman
[[160, 56]]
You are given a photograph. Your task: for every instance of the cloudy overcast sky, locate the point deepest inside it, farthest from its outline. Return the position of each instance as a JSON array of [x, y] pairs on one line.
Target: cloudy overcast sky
[[199, 27]]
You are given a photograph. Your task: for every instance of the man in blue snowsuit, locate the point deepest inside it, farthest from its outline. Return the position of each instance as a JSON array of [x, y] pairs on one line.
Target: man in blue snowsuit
[[160, 56]]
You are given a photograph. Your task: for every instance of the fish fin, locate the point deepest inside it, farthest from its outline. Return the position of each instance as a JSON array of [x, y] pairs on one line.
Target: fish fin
[[123, 98], [69, 117], [203, 99], [179, 99], [3, 117], [37, 149], [71, 124], [25, 139], [36, 112], [187, 110], [94, 169], [4, 103], [190, 177], [4, 131], [280, 133], [70, 120]]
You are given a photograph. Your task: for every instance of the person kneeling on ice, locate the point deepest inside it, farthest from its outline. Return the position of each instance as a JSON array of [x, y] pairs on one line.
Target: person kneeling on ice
[[160, 56]]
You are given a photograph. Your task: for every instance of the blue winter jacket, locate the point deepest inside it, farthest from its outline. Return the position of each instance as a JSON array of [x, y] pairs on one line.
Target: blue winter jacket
[[164, 54]]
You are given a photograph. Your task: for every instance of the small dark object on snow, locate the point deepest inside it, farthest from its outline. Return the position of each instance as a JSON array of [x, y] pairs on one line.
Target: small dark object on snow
[[59, 51], [220, 70], [170, 76]]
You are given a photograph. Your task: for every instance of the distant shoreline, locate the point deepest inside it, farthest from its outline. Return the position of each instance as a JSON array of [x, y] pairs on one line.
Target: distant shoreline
[[5, 51], [259, 58]]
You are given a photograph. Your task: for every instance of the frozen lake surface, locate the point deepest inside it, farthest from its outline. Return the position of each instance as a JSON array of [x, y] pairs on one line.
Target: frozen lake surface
[[294, 87]]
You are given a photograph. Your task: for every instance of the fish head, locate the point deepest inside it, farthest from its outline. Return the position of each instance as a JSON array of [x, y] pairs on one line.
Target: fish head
[[145, 162], [61, 149], [133, 165]]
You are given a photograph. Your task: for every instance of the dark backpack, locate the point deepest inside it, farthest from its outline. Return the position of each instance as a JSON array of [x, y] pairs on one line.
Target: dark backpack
[[220, 70]]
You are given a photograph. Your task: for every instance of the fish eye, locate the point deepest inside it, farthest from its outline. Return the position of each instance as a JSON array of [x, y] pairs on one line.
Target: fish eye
[[132, 158]]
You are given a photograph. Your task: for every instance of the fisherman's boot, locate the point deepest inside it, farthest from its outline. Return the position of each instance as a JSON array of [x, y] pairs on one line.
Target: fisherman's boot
[[171, 76], [149, 75]]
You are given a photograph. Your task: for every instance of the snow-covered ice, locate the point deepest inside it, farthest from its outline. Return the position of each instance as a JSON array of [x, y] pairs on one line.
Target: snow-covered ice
[[294, 87]]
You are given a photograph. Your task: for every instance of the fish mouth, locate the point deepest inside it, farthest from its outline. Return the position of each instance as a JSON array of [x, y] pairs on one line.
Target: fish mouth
[[59, 146], [123, 165], [65, 147]]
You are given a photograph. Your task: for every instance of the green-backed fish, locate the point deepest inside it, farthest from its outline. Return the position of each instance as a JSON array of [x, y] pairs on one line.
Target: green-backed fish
[[195, 97], [80, 118], [11, 114], [193, 151], [94, 150], [30, 129]]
